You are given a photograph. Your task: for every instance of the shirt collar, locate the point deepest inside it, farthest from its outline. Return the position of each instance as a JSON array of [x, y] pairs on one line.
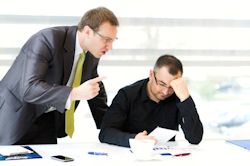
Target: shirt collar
[[78, 49], [144, 94]]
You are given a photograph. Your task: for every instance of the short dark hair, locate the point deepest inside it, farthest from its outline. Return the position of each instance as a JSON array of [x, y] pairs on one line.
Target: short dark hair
[[174, 65], [95, 17]]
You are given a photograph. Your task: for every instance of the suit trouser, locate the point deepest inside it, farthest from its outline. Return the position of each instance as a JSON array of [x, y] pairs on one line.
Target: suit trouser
[[42, 131]]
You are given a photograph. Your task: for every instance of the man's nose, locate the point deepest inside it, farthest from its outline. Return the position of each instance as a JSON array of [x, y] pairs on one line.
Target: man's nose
[[109, 45], [165, 91]]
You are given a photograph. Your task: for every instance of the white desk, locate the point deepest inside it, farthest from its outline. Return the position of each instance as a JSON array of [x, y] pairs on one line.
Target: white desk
[[208, 152]]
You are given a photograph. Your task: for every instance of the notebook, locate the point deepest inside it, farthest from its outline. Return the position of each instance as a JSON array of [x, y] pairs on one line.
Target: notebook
[[14, 153], [242, 143]]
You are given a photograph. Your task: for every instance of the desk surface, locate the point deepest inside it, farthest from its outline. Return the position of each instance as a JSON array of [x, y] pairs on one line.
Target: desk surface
[[208, 152]]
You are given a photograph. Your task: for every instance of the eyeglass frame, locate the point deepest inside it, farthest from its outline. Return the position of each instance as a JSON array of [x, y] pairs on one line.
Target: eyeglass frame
[[106, 39], [162, 84]]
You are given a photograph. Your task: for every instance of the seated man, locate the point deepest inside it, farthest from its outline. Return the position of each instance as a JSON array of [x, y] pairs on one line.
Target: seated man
[[161, 100]]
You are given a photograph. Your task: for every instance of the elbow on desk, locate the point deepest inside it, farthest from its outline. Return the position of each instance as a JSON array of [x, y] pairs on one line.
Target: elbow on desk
[[101, 136], [195, 140], [195, 137]]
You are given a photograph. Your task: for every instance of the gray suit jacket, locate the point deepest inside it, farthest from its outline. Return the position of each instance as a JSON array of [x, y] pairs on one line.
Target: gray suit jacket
[[36, 81]]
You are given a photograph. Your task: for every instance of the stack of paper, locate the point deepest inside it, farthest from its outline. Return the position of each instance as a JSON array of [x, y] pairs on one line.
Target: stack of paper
[[13, 150], [17, 153]]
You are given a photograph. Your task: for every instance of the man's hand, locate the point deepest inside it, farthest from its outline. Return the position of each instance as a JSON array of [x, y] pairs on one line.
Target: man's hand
[[180, 88], [87, 90], [144, 135]]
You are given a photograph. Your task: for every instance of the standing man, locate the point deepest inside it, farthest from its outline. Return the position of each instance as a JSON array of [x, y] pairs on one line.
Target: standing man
[[37, 90], [161, 100]]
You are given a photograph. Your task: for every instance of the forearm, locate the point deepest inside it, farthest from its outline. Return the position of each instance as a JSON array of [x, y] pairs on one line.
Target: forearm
[[98, 106], [115, 136], [112, 128], [190, 121], [52, 96]]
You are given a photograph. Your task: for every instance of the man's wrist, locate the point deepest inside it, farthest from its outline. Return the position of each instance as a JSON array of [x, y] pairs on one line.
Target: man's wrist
[[73, 94], [184, 98]]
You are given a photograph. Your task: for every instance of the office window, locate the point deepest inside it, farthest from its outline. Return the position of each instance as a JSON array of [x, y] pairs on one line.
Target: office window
[[210, 37]]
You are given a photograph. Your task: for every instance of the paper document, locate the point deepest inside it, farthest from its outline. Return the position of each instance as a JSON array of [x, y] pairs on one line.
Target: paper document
[[13, 150], [163, 135], [171, 150]]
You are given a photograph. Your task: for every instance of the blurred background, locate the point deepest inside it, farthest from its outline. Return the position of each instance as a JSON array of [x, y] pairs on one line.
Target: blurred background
[[210, 37]]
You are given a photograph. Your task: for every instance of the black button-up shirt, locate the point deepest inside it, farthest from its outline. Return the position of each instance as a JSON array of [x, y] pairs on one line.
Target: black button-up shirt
[[132, 111]]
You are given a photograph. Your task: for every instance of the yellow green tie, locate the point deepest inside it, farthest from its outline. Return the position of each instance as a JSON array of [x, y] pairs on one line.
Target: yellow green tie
[[69, 119]]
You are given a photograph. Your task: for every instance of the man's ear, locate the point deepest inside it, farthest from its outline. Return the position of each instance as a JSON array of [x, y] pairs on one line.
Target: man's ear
[[87, 30], [151, 73]]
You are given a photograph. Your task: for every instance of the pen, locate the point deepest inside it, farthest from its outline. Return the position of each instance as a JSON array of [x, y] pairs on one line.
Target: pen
[[166, 154], [98, 153], [182, 154]]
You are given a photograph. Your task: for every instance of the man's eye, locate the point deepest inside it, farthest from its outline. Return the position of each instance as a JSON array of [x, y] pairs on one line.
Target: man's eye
[[163, 85]]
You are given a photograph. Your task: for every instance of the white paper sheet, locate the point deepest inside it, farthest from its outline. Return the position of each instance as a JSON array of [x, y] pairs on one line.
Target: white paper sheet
[[163, 135]]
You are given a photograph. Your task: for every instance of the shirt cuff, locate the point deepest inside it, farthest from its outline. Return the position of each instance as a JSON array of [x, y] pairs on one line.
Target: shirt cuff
[[68, 102]]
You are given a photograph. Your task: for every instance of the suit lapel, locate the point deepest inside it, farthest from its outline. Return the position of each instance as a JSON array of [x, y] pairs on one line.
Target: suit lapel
[[68, 62], [68, 56]]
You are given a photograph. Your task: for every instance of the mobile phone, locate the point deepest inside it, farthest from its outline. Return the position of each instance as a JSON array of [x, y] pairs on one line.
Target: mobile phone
[[62, 158]]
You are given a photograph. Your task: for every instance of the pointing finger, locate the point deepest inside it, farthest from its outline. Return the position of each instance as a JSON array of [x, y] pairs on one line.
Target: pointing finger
[[97, 79]]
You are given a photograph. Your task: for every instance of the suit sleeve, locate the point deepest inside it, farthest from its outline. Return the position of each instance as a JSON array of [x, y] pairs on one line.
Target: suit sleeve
[[35, 90], [98, 105], [190, 121], [112, 128]]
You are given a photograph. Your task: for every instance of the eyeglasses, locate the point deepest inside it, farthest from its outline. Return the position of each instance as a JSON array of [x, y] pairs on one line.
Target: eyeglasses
[[161, 84], [106, 39]]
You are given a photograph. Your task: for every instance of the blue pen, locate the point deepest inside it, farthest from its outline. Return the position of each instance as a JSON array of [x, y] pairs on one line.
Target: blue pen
[[166, 154], [98, 153]]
